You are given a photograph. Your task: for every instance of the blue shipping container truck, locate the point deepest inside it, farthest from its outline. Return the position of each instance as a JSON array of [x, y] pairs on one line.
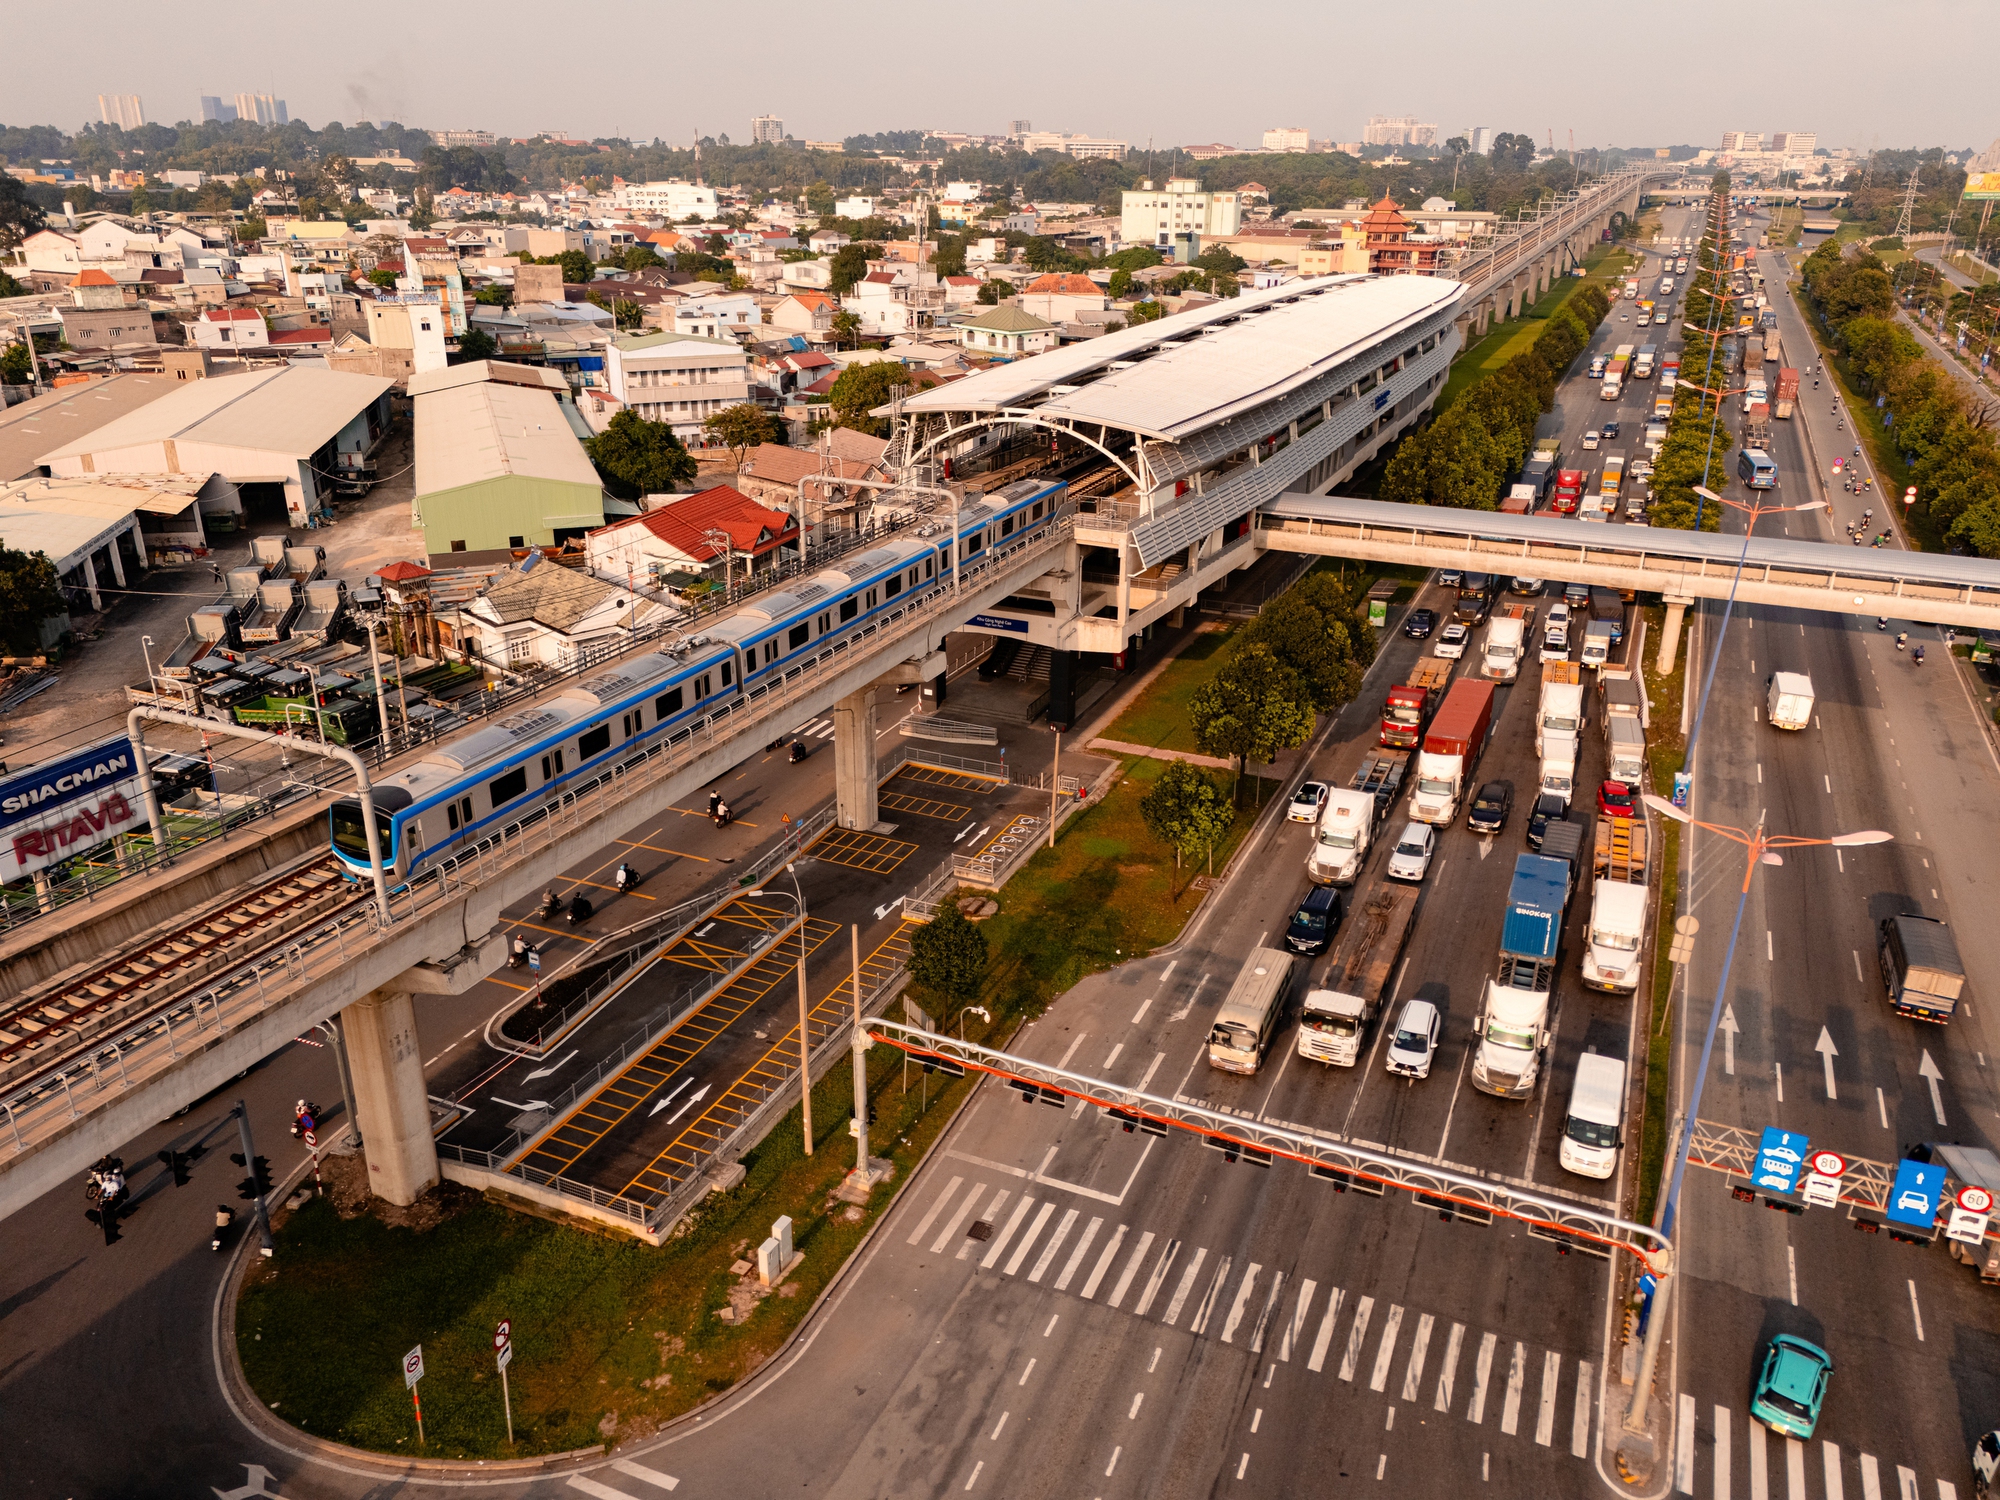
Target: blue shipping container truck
[[1532, 930]]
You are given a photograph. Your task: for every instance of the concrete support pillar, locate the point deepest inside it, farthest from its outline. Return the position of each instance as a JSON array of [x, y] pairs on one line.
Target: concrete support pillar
[[90, 580], [117, 562], [1124, 584], [854, 761], [389, 1094], [1670, 637]]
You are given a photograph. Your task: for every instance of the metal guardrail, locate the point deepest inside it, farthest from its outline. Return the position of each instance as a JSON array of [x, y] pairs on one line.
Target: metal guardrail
[[245, 991]]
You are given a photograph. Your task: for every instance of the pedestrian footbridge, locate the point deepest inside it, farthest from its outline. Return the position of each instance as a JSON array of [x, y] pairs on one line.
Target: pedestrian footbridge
[[1682, 566]]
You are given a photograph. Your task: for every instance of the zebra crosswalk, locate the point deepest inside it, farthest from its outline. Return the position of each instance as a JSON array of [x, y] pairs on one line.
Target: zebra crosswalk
[[819, 729], [1724, 1455], [1403, 1352]]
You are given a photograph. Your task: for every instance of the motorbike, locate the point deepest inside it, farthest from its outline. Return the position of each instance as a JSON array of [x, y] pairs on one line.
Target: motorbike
[[626, 879], [225, 1216], [304, 1113], [551, 904], [518, 957], [1857, 450], [1917, 656], [799, 751], [579, 910], [1902, 640], [723, 816]]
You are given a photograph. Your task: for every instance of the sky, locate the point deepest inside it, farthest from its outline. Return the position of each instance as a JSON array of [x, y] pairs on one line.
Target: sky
[[1628, 75]]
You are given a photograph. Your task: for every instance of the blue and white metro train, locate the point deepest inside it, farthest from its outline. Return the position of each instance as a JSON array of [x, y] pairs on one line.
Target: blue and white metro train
[[466, 790]]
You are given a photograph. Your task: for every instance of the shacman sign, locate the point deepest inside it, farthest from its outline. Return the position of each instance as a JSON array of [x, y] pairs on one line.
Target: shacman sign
[[52, 811]]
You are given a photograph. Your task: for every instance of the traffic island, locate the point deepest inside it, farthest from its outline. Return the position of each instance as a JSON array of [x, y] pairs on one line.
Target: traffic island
[[611, 1339]]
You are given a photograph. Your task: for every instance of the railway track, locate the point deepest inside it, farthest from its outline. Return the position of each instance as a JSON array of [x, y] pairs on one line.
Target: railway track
[[67, 1012]]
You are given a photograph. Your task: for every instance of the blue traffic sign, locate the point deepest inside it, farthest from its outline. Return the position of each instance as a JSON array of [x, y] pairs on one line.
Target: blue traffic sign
[[1781, 1157], [1913, 1199]]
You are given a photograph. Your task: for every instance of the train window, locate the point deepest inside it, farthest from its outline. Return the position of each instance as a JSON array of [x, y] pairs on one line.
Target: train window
[[974, 543], [930, 566], [451, 815], [726, 670], [849, 608], [701, 688], [667, 706], [504, 789], [891, 587], [914, 580], [770, 650], [797, 637], [1007, 526], [465, 810], [872, 599], [826, 622], [593, 741], [1036, 513]]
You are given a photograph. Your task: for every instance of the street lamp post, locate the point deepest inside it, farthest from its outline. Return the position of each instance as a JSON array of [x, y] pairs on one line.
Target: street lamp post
[[146, 648], [1761, 848], [805, 1037]]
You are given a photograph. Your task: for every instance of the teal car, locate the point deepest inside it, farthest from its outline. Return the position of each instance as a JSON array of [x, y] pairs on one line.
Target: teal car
[[1791, 1387]]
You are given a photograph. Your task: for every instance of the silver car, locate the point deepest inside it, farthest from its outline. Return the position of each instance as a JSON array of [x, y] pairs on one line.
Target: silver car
[[1414, 1043], [1414, 848]]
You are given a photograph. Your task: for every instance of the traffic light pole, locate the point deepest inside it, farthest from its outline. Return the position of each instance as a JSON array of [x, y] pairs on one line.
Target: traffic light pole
[[250, 1170]]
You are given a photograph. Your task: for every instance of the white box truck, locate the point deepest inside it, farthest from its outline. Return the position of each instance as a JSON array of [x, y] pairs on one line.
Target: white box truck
[[1341, 843], [1790, 704], [1593, 1129], [1562, 702], [1627, 748], [1614, 937], [1559, 766], [1507, 642]]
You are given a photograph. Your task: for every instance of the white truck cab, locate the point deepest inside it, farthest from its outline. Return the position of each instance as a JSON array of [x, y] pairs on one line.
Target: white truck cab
[[1593, 1128], [1616, 933], [1341, 842], [1331, 1026]]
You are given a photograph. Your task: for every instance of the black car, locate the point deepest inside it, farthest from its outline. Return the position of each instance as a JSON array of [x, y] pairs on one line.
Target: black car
[[1489, 810], [1610, 429], [1420, 624], [1549, 808], [1315, 922], [1576, 595]]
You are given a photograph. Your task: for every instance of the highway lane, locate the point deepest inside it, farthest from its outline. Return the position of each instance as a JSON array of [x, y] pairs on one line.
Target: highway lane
[[1896, 747]]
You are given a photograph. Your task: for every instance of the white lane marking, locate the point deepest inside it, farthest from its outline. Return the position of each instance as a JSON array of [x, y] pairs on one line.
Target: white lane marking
[[1882, 1108], [1829, 1455], [1144, 1006], [1063, 1227], [1158, 1058], [1754, 1458], [1297, 1325], [1113, 1057], [1076, 1255], [1450, 1370], [1199, 1322], [1054, 1318], [958, 1217], [1028, 1240], [1264, 1317], [1186, 1286], [1768, 955], [1857, 965], [1579, 1429], [1154, 1282], [1257, 1419], [1381, 1465], [1236, 1308], [1103, 1264], [1795, 1469], [1325, 1335], [1722, 1420], [1545, 1418], [1419, 1347], [1244, 1466], [1517, 1376], [1114, 1462], [1154, 1363], [1000, 1241], [1386, 1350], [994, 1436], [1792, 1272], [1078, 1042], [1137, 1398], [645, 1475], [1778, 1071], [592, 1488], [993, 1207], [1131, 1267], [1356, 1336], [937, 1207], [1684, 1446], [1482, 1368], [1906, 1483], [1916, 1312], [1026, 1373], [1871, 1478], [1829, 784]]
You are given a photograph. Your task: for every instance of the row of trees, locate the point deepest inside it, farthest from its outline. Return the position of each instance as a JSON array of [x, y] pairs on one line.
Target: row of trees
[[1947, 439], [1696, 451], [1465, 456]]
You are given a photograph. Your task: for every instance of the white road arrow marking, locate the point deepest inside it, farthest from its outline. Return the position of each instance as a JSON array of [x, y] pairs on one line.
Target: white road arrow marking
[[530, 1105], [883, 911], [964, 831], [1827, 1053], [260, 1478], [667, 1099], [1729, 1030], [1928, 1071], [544, 1072], [693, 1099], [1485, 848]]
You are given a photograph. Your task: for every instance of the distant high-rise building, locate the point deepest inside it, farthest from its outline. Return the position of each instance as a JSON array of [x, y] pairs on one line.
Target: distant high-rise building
[[451, 138], [122, 110], [1287, 138], [1482, 140], [213, 108], [1794, 142], [1399, 130], [263, 108], [1020, 127], [1742, 140], [766, 130]]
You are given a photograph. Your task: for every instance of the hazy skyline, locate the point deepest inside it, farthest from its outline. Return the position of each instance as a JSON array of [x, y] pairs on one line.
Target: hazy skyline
[[1632, 76]]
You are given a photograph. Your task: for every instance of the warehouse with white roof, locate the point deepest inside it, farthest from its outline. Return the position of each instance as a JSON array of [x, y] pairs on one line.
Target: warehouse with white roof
[[1194, 421]]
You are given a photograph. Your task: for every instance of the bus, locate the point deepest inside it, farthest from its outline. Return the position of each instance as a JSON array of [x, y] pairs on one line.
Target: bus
[[1251, 1013], [1754, 468]]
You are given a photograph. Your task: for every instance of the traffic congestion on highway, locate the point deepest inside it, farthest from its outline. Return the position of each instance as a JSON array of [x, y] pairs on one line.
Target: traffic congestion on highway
[[1705, 973]]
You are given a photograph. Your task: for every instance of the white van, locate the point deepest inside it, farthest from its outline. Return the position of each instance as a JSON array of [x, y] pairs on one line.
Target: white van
[[1251, 1013], [1592, 1130]]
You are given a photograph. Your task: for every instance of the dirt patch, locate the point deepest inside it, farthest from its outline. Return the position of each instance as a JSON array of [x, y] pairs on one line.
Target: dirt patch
[[345, 1179]]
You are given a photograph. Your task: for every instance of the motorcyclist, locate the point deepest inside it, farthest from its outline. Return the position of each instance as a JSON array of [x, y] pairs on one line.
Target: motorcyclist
[[304, 1114], [519, 954], [579, 909], [551, 902], [798, 751], [626, 877], [1918, 656], [723, 815], [1902, 639]]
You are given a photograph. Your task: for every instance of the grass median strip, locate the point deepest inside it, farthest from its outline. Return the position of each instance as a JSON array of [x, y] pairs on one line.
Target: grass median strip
[[1665, 749]]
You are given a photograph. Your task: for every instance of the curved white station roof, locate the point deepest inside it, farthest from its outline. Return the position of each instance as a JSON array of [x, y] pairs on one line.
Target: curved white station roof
[[1197, 368]]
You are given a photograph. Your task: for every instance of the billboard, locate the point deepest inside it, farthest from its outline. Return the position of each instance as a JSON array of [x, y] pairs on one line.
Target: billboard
[[1984, 185], [63, 807]]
